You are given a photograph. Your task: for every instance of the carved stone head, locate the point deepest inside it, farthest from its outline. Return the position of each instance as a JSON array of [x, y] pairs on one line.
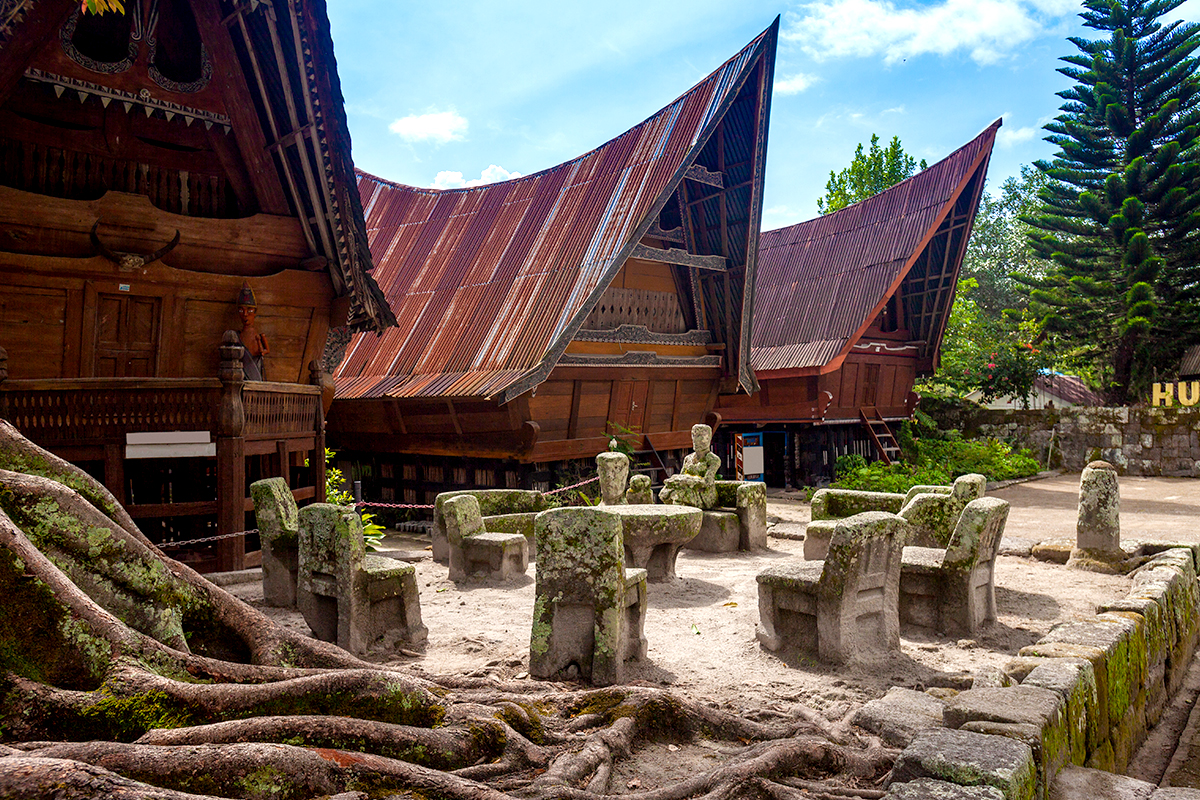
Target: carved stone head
[[702, 439]]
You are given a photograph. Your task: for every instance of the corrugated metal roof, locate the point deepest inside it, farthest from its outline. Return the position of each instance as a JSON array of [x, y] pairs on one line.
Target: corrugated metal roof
[[1189, 365], [487, 281], [818, 280]]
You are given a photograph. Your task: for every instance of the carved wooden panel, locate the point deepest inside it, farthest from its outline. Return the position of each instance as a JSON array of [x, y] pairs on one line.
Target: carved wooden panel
[[33, 321], [126, 336], [658, 311]]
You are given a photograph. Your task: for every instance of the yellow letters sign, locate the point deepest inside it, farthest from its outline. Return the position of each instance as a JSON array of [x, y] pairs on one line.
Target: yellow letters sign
[[1164, 394]]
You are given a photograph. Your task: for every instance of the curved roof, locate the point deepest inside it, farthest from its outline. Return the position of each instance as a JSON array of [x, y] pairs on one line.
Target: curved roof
[[490, 283], [821, 282]]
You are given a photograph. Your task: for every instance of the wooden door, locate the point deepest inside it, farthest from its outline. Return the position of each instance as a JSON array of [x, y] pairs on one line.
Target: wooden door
[[126, 336], [628, 407]]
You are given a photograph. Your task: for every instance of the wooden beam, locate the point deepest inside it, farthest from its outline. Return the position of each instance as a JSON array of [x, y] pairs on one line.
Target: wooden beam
[[699, 174], [229, 80], [673, 235], [680, 257]]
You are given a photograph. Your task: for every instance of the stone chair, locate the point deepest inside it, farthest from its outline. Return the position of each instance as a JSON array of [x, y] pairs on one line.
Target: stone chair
[[589, 611], [845, 608], [934, 515], [493, 503], [933, 510], [738, 522], [276, 516], [476, 551], [953, 590], [348, 596]]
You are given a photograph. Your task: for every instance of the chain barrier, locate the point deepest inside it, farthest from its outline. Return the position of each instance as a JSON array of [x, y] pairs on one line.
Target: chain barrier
[[389, 505], [574, 486], [186, 542]]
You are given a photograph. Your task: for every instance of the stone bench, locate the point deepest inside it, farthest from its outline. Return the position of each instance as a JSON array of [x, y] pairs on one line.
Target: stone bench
[[739, 521], [846, 607], [492, 503], [653, 534], [347, 596], [589, 611], [278, 522], [475, 551], [932, 510], [953, 590]]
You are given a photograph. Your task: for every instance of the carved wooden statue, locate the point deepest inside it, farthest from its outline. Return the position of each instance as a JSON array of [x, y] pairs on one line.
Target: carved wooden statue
[[254, 341]]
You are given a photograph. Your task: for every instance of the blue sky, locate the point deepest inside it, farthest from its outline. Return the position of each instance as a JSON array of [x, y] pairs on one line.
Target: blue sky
[[439, 94]]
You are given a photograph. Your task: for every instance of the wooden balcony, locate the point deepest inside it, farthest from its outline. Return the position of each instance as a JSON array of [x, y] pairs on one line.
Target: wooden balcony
[[258, 429]]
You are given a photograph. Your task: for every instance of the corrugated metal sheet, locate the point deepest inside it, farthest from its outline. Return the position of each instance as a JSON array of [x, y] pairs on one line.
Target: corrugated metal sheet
[[1189, 365], [484, 280], [818, 280]]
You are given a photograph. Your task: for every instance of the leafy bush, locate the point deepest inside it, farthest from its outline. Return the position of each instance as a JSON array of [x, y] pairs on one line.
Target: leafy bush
[[373, 532], [940, 462]]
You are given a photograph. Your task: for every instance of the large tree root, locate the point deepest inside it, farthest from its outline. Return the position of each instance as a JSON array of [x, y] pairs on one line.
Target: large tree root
[[125, 674]]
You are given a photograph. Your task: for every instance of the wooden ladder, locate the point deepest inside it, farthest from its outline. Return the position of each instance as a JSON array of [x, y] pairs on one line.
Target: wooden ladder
[[881, 435]]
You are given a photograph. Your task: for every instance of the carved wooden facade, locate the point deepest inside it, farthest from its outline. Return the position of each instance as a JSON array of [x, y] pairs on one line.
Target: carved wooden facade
[[152, 162]]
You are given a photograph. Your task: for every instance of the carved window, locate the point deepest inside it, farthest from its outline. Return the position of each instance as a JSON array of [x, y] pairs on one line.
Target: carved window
[[104, 43], [410, 473], [178, 61]]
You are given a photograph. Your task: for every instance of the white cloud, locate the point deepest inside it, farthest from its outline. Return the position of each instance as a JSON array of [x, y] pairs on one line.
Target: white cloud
[[1009, 136], [438, 127], [450, 179], [987, 30], [795, 84]]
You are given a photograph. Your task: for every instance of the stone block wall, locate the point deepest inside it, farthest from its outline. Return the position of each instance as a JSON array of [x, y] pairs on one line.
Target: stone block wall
[[1086, 694], [1138, 441]]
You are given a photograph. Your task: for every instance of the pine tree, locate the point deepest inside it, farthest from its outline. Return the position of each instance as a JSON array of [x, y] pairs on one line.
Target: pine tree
[[868, 174], [1120, 216]]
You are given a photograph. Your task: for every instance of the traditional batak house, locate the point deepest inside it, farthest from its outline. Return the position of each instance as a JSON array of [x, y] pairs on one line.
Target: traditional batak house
[[849, 309], [167, 174], [542, 315]]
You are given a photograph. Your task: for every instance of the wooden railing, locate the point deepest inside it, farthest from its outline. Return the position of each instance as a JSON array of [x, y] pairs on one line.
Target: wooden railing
[[91, 409], [280, 409]]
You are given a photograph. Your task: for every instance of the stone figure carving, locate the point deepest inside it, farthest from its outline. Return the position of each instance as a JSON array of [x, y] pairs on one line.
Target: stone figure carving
[[696, 485], [613, 468], [254, 341]]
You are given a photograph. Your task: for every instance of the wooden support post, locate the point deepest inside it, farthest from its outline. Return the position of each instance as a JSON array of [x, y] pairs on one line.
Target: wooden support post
[[285, 461], [114, 470], [231, 457], [318, 377]]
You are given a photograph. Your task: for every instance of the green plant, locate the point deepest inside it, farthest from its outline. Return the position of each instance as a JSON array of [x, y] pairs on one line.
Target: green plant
[[940, 461], [373, 532]]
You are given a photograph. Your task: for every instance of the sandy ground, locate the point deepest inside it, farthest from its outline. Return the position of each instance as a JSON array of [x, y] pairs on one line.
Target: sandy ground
[[701, 627]]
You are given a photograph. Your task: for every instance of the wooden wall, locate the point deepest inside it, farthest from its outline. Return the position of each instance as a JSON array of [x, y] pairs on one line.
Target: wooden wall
[[86, 317]]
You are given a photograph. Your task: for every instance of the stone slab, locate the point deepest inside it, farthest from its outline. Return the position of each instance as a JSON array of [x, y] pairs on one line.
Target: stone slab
[[970, 759], [900, 715], [930, 789], [1056, 551], [1083, 783]]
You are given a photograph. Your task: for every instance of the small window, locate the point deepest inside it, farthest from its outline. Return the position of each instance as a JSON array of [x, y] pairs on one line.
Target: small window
[[485, 478], [459, 475], [177, 58], [510, 480], [410, 473], [434, 474], [889, 318], [388, 494], [410, 496], [100, 42]]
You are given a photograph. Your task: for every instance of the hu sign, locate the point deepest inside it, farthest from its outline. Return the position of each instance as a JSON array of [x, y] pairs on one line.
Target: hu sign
[[1164, 394]]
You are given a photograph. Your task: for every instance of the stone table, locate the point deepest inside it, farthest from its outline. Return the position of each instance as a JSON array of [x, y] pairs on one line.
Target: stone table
[[653, 534]]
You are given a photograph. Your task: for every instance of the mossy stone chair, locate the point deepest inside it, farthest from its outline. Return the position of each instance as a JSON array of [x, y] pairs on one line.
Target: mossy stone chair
[[348, 596], [518, 504], [845, 608], [589, 611], [953, 590], [475, 551], [934, 515], [278, 522]]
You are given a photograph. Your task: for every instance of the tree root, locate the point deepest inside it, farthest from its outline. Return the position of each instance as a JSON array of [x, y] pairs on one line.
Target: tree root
[[186, 692]]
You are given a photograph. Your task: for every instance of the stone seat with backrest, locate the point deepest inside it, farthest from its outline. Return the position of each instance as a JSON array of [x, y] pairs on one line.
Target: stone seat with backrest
[[503, 511], [953, 590], [845, 608], [738, 522], [348, 596], [589, 611], [278, 522], [475, 551], [933, 510]]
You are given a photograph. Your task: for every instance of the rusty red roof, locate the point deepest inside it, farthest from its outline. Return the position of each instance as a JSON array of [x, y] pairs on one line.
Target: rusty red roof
[[822, 281], [490, 283]]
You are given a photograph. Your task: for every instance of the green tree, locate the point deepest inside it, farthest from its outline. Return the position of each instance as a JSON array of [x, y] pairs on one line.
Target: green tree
[[869, 174], [1119, 218], [1000, 246]]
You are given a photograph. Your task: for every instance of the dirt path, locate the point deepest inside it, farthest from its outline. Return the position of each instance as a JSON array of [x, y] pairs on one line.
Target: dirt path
[[701, 627]]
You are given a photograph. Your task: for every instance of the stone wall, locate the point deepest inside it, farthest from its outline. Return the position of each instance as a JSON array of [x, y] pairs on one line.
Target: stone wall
[[1138, 441], [1086, 694]]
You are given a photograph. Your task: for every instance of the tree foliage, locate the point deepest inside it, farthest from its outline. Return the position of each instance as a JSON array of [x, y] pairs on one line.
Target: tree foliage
[[869, 174], [1118, 219]]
